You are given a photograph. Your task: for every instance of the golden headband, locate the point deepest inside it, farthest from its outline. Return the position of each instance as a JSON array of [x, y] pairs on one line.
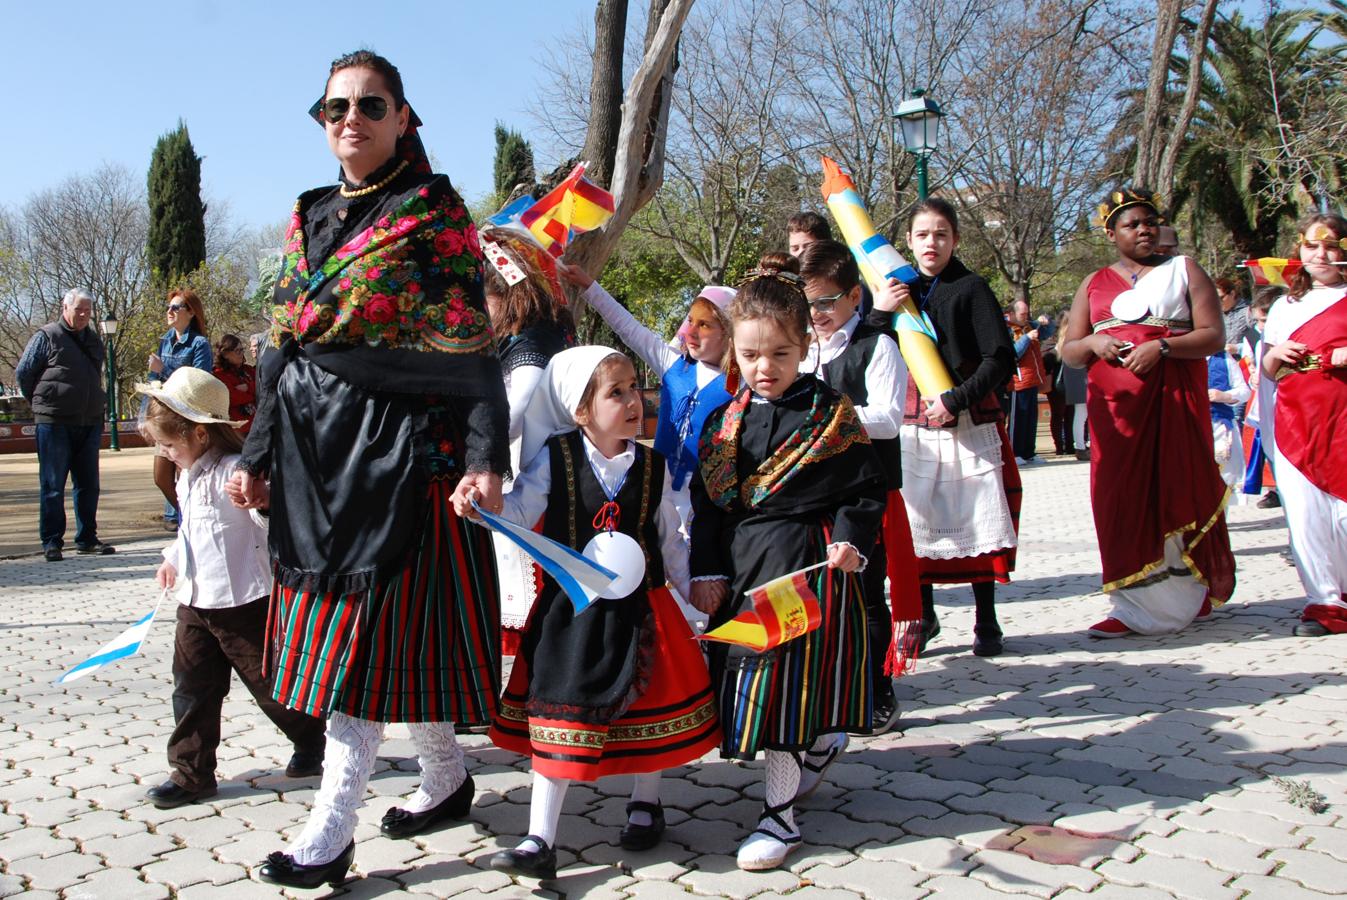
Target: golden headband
[[1319, 232], [1120, 200], [788, 278]]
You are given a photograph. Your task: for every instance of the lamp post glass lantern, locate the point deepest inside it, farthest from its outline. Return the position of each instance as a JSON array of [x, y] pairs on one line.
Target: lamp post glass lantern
[[109, 327], [919, 117]]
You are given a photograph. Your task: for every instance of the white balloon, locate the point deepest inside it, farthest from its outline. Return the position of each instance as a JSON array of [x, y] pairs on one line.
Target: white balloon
[[617, 553]]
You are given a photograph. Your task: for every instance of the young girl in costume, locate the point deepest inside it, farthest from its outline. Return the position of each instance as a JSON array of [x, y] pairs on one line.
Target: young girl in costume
[[1306, 341], [619, 688], [691, 383], [532, 324], [788, 478], [863, 363], [221, 573]]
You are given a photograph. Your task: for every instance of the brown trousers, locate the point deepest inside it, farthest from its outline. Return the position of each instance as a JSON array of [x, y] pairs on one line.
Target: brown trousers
[[208, 644]]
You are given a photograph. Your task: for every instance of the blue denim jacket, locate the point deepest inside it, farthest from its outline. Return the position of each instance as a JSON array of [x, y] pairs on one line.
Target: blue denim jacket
[[193, 350]]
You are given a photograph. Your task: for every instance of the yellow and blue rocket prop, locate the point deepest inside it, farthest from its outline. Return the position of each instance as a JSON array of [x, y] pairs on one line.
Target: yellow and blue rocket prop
[[879, 262]]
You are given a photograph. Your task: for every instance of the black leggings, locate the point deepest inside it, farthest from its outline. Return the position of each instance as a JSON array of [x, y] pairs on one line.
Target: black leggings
[[984, 596]]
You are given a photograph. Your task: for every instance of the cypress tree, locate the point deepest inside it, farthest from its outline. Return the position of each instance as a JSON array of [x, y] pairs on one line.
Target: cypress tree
[[514, 162], [176, 244]]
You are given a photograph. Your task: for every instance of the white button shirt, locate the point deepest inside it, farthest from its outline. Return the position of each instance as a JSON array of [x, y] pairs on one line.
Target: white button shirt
[[221, 550], [885, 378]]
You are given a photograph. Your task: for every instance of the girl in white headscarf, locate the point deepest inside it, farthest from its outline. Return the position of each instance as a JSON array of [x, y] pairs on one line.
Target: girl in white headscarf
[[618, 687]]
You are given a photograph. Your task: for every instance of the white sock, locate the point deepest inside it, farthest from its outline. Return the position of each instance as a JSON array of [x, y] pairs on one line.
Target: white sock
[[644, 789], [545, 809], [352, 748], [442, 768], [783, 782]]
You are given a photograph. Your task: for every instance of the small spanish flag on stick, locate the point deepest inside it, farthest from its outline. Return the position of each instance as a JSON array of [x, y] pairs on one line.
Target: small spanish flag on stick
[[573, 207], [1269, 270], [783, 609]]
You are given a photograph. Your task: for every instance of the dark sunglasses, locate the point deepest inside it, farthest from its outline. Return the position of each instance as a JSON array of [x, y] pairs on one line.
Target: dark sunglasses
[[334, 109], [826, 304], [176, 307]]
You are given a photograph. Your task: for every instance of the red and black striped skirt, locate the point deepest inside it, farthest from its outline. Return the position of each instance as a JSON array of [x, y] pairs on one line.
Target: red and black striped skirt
[[420, 646]]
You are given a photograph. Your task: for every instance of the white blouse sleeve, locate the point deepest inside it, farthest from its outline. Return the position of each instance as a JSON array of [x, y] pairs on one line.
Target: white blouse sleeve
[[657, 354], [673, 549], [523, 380], [882, 414], [1239, 388], [527, 500]]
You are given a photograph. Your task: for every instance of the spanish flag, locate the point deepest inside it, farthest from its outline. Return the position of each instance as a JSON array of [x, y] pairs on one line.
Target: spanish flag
[[783, 609], [1268, 270], [573, 207]]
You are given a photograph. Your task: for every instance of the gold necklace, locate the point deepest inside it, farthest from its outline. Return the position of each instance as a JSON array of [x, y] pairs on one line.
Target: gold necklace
[[361, 192]]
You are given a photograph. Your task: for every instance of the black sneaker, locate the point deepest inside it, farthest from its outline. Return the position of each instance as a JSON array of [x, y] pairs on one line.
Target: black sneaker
[[97, 547], [53, 554], [885, 715]]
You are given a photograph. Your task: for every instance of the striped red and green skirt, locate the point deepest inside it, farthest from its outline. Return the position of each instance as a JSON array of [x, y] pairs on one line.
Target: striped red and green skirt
[[785, 698], [672, 722], [420, 646]]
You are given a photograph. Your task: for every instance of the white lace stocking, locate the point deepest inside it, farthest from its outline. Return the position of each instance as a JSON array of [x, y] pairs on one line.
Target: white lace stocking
[[352, 748], [442, 768], [783, 782]]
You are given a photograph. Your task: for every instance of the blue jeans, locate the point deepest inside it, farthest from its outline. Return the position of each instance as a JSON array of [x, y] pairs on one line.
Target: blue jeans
[[68, 450], [1024, 422]]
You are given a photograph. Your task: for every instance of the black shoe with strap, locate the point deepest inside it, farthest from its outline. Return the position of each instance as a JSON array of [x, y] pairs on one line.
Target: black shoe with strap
[[305, 764], [540, 863], [400, 823], [642, 837], [281, 868]]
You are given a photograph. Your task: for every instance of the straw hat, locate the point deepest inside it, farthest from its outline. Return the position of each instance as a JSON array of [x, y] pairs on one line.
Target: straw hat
[[194, 394]]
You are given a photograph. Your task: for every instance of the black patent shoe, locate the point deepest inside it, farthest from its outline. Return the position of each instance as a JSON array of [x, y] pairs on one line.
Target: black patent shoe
[[399, 823], [304, 764], [642, 837], [1309, 628], [930, 628], [534, 863], [281, 868], [987, 640], [171, 795]]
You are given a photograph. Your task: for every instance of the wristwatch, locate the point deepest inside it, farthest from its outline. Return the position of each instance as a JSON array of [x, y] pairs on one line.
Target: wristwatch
[[1164, 347]]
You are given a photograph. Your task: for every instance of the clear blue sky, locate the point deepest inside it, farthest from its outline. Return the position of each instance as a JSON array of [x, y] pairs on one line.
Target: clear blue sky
[[95, 82]]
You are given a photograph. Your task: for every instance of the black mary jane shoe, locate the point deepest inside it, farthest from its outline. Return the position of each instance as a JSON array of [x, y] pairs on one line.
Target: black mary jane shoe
[[399, 823], [642, 837], [171, 795], [534, 863], [281, 868]]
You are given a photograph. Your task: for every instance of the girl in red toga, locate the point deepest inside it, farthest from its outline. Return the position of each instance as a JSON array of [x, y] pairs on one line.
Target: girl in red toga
[[1306, 337]]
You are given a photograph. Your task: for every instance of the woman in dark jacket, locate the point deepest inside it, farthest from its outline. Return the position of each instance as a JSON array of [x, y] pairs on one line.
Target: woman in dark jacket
[[184, 344]]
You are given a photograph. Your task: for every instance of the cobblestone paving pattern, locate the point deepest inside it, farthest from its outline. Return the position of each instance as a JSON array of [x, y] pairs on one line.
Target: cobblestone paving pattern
[[1138, 768]]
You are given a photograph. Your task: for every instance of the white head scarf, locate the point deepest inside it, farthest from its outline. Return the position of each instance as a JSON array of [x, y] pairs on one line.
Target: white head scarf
[[551, 408]]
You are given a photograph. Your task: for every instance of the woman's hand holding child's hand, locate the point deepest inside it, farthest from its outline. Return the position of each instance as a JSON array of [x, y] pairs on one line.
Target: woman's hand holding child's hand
[[247, 491], [707, 596]]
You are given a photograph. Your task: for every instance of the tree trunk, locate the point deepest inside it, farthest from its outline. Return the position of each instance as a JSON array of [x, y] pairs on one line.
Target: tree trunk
[[605, 90], [638, 159], [1197, 54], [1150, 141]]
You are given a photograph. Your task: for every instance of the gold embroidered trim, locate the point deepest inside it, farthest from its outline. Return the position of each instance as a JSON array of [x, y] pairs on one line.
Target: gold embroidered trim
[[626, 733], [1147, 570], [1155, 321], [570, 490]]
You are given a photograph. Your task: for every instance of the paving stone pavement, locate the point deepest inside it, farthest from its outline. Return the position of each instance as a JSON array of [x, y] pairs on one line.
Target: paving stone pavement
[[1072, 768]]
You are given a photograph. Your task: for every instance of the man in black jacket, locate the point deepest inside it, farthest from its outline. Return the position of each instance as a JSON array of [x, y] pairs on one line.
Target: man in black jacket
[[61, 374]]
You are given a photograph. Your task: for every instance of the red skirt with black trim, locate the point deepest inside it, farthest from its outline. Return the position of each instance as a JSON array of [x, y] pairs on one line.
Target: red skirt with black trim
[[671, 723]]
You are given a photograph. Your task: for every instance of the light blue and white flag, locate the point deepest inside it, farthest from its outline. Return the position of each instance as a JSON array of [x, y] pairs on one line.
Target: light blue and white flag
[[579, 576], [123, 645]]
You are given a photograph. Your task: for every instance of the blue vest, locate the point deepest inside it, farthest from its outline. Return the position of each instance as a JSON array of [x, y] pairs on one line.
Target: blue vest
[[682, 413], [1218, 379]]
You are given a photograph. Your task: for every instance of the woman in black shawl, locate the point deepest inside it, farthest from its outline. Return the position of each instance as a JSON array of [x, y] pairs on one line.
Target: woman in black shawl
[[383, 397]]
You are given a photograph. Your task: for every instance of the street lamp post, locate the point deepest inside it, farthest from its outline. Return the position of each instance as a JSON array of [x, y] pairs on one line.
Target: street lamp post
[[109, 328], [920, 118]]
